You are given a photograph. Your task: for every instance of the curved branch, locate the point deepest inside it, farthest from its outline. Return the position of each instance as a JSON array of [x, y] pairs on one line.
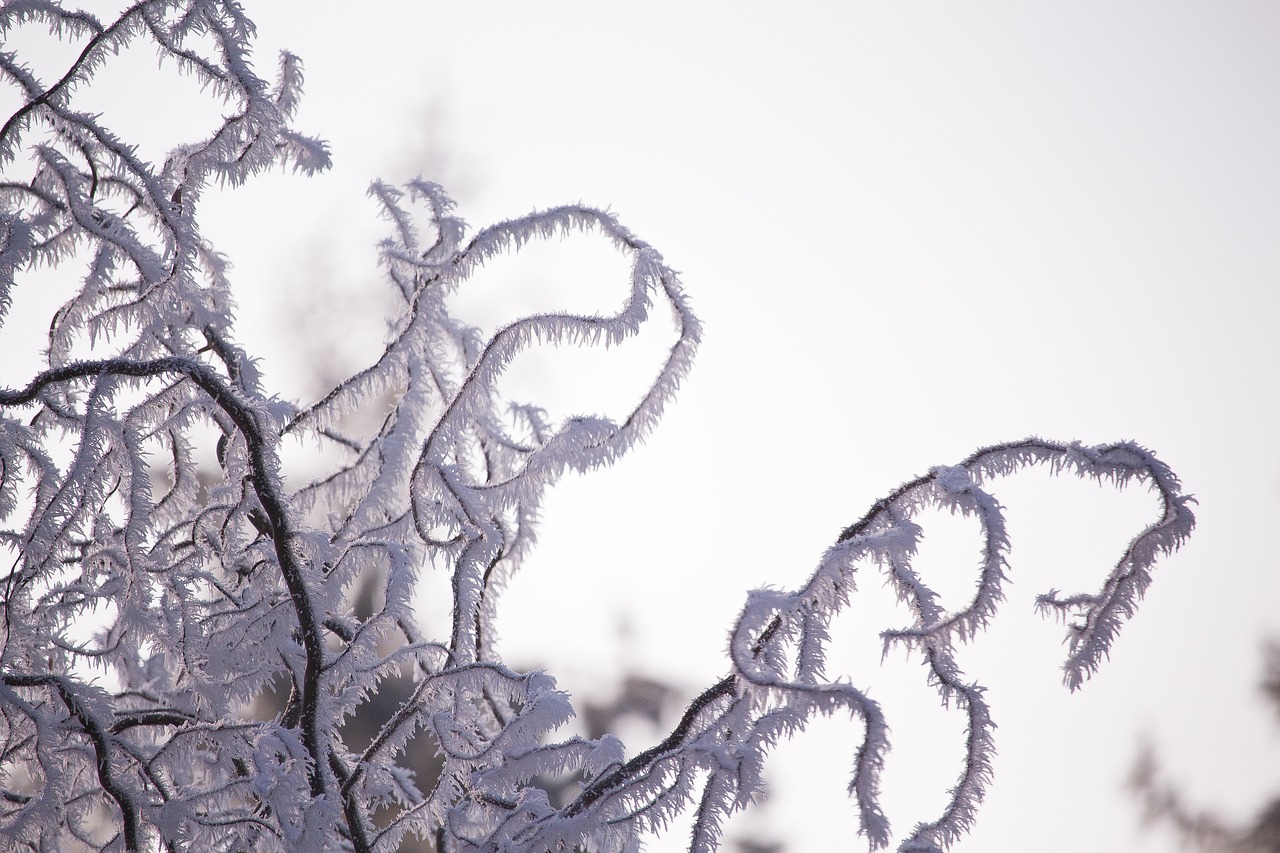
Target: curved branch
[[266, 484]]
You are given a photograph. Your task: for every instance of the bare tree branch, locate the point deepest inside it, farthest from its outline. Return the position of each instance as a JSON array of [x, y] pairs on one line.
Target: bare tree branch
[[235, 582]]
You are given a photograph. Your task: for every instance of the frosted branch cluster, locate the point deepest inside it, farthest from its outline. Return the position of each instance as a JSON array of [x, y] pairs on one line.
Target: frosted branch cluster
[[153, 594]]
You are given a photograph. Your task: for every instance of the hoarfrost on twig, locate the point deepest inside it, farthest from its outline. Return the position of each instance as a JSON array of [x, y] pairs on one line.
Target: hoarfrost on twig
[[217, 583]]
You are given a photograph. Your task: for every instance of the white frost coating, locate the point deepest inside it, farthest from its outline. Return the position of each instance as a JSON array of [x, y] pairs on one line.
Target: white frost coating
[[772, 622], [215, 582]]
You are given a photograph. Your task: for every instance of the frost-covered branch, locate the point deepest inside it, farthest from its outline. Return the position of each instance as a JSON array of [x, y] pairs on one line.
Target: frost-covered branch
[[159, 589]]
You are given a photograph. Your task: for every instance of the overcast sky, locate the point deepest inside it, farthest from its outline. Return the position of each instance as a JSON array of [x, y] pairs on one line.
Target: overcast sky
[[910, 230]]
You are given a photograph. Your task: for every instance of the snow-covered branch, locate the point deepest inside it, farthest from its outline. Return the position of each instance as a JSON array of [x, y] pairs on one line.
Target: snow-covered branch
[[154, 595]]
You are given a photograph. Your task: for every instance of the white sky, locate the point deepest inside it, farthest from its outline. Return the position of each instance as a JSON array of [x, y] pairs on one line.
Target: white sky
[[910, 229]]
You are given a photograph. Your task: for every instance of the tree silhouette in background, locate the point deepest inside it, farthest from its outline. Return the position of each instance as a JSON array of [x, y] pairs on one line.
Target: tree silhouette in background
[[144, 616], [1163, 804]]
